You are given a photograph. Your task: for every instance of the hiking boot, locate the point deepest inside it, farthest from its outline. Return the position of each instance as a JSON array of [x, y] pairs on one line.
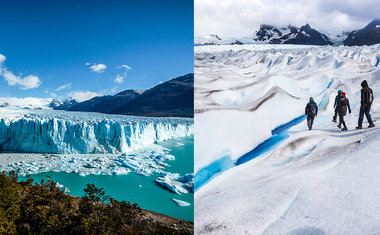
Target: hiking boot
[[359, 127], [371, 125], [344, 129], [309, 128], [339, 126]]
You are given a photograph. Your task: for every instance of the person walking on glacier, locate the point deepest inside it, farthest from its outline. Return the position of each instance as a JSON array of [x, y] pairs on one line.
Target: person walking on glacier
[[311, 111], [342, 106], [337, 97], [365, 105]]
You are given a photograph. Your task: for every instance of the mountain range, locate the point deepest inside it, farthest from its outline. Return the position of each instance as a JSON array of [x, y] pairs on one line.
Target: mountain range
[[291, 35], [368, 35], [174, 98], [304, 35], [63, 105]]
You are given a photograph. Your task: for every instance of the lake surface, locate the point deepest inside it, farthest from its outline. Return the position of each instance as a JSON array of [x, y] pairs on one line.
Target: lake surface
[[137, 188]]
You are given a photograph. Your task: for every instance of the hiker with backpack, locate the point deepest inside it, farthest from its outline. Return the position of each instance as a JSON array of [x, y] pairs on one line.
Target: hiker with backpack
[[342, 107], [337, 97], [311, 111], [365, 105]]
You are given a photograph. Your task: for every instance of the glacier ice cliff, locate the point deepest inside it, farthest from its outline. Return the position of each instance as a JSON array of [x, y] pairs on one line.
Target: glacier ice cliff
[[83, 133]]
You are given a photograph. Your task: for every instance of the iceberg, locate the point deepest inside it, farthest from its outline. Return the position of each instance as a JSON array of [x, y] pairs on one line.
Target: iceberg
[[176, 183], [145, 161], [180, 202]]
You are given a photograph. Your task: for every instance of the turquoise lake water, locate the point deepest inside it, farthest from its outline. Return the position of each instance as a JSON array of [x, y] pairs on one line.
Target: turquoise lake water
[[137, 188]]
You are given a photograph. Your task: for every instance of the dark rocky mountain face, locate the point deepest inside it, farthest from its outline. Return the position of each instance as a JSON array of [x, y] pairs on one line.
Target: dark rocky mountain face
[[267, 32], [172, 98], [55, 103], [291, 35], [368, 35], [106, 104], [307, 36]]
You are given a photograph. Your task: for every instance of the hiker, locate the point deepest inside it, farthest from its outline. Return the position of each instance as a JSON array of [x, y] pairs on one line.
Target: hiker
[[365, 105], [342, 106], [337, 97], [311, 111]]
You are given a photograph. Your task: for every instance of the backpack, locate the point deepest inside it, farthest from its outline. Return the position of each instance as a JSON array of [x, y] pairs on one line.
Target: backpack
[[370, 98], [343, 102], [313, 108]]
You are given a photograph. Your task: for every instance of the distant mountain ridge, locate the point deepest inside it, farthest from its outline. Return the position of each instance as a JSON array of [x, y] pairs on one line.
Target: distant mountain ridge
[[304, 35], [173, 98], [368, 35], [214, 39], [63, 105], [106, 104]]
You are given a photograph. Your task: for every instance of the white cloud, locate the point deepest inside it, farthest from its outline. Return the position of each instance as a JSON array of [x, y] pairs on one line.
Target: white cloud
[[65, 86], [126, 67], [83, 95], [2, 58], [243, 17], [97, 68], [119, 79], [52, 94], [26, 102], [25, 83]]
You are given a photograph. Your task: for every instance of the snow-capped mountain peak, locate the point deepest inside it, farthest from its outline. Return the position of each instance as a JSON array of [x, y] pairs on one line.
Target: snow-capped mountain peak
[[290, 35], [63, 105]]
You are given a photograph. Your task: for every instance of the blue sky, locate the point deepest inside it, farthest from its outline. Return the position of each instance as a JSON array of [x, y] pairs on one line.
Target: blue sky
[[82, 48]]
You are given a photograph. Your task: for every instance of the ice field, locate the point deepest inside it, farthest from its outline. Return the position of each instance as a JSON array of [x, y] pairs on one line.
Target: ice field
[[258, 169]]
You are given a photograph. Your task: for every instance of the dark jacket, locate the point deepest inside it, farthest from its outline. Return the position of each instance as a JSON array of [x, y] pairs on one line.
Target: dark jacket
[[366, 93], [308, 109], [343, 105]]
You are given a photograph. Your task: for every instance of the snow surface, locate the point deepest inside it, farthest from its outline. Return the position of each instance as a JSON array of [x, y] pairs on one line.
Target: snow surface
[[323, 181]]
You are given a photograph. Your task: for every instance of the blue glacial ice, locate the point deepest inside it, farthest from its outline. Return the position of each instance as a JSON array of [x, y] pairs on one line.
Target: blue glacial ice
[[75, 132], [176, 183]]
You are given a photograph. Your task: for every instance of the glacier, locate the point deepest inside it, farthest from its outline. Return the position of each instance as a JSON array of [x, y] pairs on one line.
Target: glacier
[[82, 133], [35, 141], [258, 169]]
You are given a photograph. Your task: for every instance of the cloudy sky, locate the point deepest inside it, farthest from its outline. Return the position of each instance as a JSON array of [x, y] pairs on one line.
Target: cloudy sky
[[243, 17], [55, 49]]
